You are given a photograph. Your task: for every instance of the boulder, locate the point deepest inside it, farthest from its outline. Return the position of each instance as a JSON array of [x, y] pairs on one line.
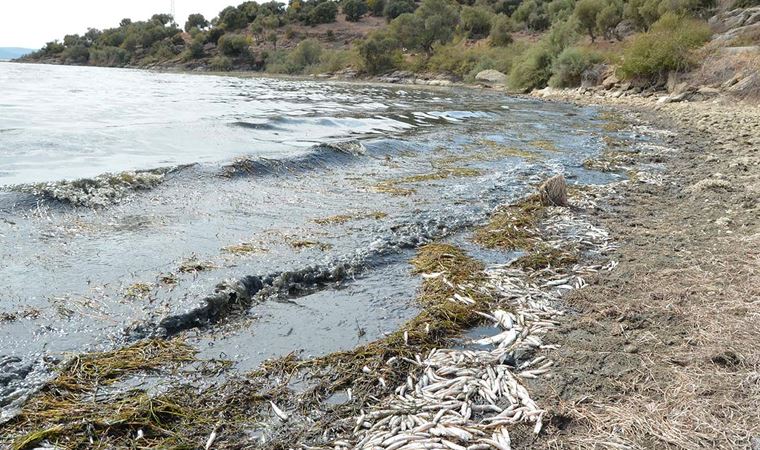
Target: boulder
[[610, 82], [553, 191], [491, 76]]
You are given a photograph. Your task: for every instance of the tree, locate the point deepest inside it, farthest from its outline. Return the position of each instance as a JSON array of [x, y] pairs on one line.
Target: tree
[[272, 38], [196, 21], [325, 12], [476, 22], [125, 22], [163, 19], [609, 18], [394, 8], [585, 13], [407, 29], [354, 9], [376, 7], [441, 18], [232, 18], [501, 31]]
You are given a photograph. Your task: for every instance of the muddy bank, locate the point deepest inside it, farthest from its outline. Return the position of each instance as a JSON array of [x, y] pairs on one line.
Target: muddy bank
[[662, 352]]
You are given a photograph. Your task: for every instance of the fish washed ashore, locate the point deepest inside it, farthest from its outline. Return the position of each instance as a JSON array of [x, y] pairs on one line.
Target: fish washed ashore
[[626, 320]]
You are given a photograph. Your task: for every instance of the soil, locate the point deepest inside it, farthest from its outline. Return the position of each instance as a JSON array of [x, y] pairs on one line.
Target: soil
[[663, 351]]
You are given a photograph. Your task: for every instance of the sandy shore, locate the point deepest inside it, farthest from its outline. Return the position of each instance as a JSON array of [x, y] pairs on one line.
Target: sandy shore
[[663, 352]]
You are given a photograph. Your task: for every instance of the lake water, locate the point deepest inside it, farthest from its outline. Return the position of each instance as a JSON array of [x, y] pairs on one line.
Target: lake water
[[309, 196]]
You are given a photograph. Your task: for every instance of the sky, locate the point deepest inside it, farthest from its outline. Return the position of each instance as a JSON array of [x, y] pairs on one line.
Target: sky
[[32, 23]]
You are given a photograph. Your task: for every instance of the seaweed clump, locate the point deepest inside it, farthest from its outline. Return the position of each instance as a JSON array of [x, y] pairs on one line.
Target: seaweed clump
[[76, 410], [516, 227], [513, 227], [340, 219], [393, 187]]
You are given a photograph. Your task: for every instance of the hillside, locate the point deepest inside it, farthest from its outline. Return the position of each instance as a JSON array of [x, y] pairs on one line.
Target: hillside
[[13, 52], [526, 45]]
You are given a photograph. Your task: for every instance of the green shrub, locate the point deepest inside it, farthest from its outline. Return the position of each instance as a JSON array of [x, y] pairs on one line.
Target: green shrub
[[325, 12], [408, 30], [376, 7], [354, 9], [666, 47], [568, 68], [466, 62], [109, 57], [233, 44], [476, 22], [220, 63], [395, 8], [379, 53], [334, 60], [232, 18], [52, 48], [501, 31], [77, 54], [533, 70], [306, 53]]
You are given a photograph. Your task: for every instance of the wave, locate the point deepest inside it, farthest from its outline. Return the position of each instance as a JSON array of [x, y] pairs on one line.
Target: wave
[[233, 297], [102, 190], [320, 156]]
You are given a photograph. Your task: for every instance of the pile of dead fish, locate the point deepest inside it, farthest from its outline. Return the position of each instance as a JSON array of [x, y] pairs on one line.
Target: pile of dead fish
[[467, 399]]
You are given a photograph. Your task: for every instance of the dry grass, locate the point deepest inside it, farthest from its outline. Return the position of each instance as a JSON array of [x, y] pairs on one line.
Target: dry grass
[[662, 353], [340, 219]]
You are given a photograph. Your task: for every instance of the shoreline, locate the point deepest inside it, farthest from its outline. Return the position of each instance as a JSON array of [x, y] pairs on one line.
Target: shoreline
[[662, 351], [626, 318]]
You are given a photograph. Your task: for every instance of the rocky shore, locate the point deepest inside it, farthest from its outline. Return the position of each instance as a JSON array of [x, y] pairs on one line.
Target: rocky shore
[[661, 352]]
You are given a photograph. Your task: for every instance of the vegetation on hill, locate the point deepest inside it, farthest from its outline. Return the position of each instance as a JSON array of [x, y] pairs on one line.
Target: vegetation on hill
[[535, 42]]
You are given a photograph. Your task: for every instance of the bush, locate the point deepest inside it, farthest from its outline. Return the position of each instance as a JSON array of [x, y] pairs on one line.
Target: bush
[[354, 10], [233, 44], [466, 62], [376, 7], [533, 70], [746, 3], [666, 47], [194, 50], [408, 29], [220, 63], [379, 53], [501, 35], [476, 22], [213, 36], [395, 8], [325, 12], [78, 54], [109, 57], [306, 53], [568, 68]]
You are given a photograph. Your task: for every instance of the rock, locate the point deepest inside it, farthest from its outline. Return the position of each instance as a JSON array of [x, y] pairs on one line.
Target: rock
[[491, 76], [710, 184], [723, 222], [593, 76], [553, 191], [610, 81], [754, 444]]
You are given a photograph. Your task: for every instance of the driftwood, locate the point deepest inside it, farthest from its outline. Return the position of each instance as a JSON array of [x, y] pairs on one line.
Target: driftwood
[[554, 191]]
